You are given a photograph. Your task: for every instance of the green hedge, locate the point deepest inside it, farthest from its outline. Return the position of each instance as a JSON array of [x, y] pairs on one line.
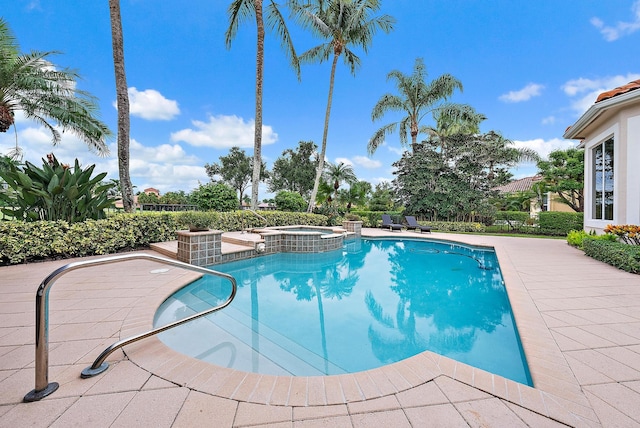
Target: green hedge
[[512, 216], [455, 226], [559, 223], [22, 242], [618, 254], [374, 218]]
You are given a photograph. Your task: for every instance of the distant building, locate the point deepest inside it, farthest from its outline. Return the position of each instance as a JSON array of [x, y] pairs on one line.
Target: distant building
[[550, 200]]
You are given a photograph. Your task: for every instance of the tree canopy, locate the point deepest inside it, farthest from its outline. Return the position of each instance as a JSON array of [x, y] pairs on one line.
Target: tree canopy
[[46, 94], [295, 170], [236, 170], [563, 174]]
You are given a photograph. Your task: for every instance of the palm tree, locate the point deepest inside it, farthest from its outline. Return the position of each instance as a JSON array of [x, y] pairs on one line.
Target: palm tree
[[497, 150], [337, 174], [417, 98], [31, 83], [122, 100], [241, 10], [342, 23]]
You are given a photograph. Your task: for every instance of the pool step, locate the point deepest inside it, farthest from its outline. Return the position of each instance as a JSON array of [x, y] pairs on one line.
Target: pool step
[[231, 338]]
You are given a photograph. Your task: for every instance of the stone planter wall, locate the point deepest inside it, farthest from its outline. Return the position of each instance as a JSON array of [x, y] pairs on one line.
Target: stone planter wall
[[200, 248], [353, 226]]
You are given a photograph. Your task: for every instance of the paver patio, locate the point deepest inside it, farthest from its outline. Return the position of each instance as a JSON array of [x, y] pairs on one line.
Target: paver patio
[[579, 322]]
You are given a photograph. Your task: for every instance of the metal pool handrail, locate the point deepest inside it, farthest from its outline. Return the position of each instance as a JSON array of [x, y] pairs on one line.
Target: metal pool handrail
[[266, 222], [43, 388]]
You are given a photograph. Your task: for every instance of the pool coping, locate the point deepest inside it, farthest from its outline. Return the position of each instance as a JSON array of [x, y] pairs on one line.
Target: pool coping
[[556, 395]]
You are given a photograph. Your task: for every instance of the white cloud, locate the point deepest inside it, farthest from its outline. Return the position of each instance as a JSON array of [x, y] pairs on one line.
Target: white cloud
[[166, 167], [378, 180], [151, 105], [549, 120], [397, 150], [222, 132], [344, 161], [543, 148], [366, 162], [524, 94], [612, 33], [588, 89]]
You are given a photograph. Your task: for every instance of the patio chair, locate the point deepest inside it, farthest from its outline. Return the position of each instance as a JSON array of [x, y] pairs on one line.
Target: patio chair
[[387, 223], [413, 224]]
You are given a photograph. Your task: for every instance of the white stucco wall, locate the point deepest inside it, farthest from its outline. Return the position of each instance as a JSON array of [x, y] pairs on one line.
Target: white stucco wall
[[633, 171]]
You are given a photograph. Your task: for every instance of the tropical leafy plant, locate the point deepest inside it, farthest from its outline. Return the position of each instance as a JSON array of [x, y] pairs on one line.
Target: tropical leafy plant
[[628, 233], [55, 192]]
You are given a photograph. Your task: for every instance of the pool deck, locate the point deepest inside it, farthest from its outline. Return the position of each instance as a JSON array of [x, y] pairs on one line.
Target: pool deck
[[579, 321]]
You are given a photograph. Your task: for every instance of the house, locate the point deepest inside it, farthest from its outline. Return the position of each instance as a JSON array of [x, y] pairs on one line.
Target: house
[[610, 134], [550, 200]]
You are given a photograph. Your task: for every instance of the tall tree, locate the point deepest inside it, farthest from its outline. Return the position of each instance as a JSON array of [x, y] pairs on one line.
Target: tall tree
[[32, 84], [122, 102], [295, 170], [563, 174], [239, 11], [342, 24], [415, 99], [235, 169], [339, 173]]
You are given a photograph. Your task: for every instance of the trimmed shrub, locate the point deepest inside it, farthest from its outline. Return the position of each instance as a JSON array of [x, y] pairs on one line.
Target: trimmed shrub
[[576, 238], [290, 201], [455, 226], [374, 218], [558, 223], [30, 241], [622, 256]]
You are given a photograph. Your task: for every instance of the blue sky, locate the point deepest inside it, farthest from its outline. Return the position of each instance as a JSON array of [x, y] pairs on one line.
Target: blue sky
[[532, 68]]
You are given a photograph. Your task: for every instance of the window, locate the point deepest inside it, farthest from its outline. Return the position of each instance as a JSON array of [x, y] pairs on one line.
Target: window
[[602, 167]]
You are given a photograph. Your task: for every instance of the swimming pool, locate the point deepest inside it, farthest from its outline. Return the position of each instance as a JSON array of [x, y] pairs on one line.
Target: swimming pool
[[374, 302]]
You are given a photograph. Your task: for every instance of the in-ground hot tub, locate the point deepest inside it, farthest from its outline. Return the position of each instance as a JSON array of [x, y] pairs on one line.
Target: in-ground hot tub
[[303, 239]]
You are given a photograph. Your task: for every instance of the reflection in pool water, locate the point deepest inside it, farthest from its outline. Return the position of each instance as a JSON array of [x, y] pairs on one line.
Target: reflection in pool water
[[374, 302]]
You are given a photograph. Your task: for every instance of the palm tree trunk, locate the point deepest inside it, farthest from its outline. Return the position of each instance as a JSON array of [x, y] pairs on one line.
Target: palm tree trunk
[[122, 97], [323, 150], [257, 145]]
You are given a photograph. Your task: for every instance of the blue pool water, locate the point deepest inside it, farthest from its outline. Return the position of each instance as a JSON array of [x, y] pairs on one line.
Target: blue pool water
[[373, 303]]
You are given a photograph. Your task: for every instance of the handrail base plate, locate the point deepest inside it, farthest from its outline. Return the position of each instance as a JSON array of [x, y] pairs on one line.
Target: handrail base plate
[[34, 395], [90, 372]]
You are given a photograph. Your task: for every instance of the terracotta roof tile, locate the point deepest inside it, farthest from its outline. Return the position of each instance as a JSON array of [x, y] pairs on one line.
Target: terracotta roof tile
[[521, 185], [631, 86]]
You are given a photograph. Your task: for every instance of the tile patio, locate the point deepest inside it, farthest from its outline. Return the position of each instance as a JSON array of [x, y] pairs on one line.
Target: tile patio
[[579, 321]]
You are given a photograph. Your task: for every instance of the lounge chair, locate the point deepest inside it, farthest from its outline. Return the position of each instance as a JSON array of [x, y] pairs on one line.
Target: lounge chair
[[387, 223], [413, 224]]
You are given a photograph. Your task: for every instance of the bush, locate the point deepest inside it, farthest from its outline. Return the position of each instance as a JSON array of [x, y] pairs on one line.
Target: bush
[[576, 238], [55, 192], [215, 196], [558, 223], [618, 254], [628, 233], [456, 226], [290, 201], [514, 219], [374, 218], [30, 241]]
